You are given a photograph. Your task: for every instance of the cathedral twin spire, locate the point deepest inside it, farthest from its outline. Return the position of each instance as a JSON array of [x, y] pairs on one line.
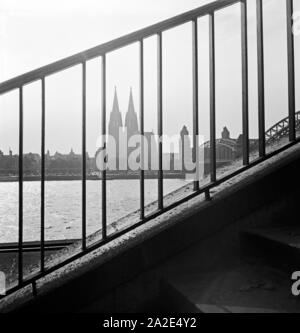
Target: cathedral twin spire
[[115, 122]]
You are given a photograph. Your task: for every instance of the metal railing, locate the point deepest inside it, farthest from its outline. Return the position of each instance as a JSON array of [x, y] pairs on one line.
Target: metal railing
[[138, 37]]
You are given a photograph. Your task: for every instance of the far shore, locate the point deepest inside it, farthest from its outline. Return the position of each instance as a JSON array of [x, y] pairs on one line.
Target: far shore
[[113, 176]]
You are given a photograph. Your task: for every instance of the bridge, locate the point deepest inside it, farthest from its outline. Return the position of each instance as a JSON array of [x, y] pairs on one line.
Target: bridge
[[136, 248], [281, 129], [227, 150]]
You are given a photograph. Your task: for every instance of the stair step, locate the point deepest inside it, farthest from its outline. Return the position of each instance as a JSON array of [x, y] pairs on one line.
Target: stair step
[[209, 308], [173, 301], [279, 245], [244, 288]]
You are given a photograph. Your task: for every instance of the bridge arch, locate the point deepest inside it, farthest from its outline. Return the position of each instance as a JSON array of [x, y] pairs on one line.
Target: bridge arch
[[281, 129]]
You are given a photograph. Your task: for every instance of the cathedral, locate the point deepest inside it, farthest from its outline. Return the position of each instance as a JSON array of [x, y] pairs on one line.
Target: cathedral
[[122, 132]]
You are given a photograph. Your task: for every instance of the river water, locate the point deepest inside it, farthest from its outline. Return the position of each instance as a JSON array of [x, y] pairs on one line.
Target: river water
[[63, 206]]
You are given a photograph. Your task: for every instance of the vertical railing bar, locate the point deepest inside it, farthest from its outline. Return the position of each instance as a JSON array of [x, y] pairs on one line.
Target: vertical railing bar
[[142, 173], [291, 69], [212, 70], [83, 155], [159, 120], [261, 78], [103, 110], [20, 243], [245, 97], [43, 178], [195, 103]]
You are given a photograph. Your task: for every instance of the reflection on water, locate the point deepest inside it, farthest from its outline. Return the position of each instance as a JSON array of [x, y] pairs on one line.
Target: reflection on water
[[63, 206]]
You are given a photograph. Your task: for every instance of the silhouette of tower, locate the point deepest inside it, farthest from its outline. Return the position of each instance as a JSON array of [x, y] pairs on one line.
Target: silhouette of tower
[[131, 122], [115, 127], [185, 150], [225, 134], [115, 120]]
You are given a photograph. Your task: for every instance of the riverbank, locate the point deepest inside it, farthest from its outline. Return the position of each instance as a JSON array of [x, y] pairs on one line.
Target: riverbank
[[112, 176]]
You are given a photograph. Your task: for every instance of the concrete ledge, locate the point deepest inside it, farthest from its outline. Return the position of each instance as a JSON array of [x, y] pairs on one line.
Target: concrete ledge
[[102, 280]]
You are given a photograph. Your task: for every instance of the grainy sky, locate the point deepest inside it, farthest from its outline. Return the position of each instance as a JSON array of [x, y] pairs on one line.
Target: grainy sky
[[34, 33]]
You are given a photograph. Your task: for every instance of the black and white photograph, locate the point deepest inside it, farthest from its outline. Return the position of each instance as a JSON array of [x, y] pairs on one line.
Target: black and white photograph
[[149, 160]]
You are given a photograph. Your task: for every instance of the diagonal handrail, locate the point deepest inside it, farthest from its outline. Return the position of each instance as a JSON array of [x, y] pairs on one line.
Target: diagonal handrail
[[113, 45], [138, 37]]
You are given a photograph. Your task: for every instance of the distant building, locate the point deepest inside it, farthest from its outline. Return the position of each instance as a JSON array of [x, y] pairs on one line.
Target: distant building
[[63, 164], [115, 129], [227, 148], [123, 134], [185, 150], [9, 164], [131, 121]]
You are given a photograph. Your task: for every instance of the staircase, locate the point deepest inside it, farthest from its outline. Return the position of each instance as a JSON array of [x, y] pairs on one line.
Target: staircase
[[233, 253], [244, 267], [257, 281], [226, 246]]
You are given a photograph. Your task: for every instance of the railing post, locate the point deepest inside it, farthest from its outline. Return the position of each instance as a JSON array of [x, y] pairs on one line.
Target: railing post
[[273, 134], [83, 155], [291, 69], [20, 257], [43, 177], [212, 70], [103, 88], [159, 120], [142, 172], [195, 104], [207, 195], [244, 31], [261, 78]]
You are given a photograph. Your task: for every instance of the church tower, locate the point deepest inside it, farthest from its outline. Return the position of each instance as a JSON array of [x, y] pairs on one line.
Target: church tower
[[131, 122], [115, 127], [225, 134], [115, 120], [185, 149]]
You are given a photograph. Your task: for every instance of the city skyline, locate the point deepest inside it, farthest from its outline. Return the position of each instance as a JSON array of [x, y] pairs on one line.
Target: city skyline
[[116, 120], [63, 90]]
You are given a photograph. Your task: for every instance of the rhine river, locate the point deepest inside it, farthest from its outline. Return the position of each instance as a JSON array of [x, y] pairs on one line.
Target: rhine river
[[63, 206]]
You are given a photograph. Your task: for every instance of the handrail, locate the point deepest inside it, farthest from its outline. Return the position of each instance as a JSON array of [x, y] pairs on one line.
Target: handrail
[[112, 45], [139, 36]]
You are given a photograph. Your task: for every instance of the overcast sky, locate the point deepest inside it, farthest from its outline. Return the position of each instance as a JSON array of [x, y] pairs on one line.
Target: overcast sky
[[34, 33]]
